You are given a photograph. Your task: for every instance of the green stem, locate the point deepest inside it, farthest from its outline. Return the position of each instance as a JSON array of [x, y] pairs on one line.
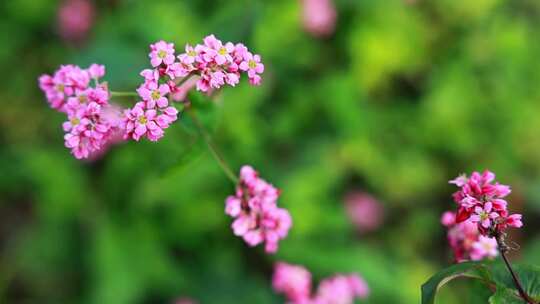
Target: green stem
[[217, 156], [503, 249], [123, 94]]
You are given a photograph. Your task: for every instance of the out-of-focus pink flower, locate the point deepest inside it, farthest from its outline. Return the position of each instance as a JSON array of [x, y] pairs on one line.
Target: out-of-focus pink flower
[[341, 289], [293, 281], [254, 208], [75, 18], [185, 301], [365, 212], [319, 17], [462, 238], [484, 247]]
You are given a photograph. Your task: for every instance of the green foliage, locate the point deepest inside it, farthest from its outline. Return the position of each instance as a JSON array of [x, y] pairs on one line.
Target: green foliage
[[402, 97], [495, 276]]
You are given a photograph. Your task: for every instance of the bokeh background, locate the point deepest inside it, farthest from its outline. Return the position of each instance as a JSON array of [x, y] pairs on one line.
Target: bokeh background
[[395, 100]]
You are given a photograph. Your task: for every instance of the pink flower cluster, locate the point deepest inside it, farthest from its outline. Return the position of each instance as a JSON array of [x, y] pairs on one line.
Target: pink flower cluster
[[480, 200], [153, 114], [465, 240], [294, 282], [92, 123], [218, 63], [254, 208]]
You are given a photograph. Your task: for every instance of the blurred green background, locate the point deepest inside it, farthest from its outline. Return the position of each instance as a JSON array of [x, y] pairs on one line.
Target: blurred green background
[[402, 97]]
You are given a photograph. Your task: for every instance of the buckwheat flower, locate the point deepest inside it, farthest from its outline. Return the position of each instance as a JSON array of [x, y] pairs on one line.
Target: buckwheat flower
[[481, 200], [253, 66], [96, 71], [484, 216], [293, 281], [257, 219], [485, 247], [514, 220], [154, 94], [190, 56], [150, 75], [140, 122], [161, 52]]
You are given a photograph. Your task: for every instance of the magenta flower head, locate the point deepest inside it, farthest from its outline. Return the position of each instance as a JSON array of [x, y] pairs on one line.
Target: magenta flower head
[[481, 200], [257, 218], [293, 281]]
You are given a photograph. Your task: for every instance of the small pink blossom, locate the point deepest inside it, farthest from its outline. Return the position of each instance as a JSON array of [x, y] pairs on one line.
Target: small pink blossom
[[96, 71], [484, 216], [154, 94], [141, 123], [253, 66], [484, 247], [161, 53]]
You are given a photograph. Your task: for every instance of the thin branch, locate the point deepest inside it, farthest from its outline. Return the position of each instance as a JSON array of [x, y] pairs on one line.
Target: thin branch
[[217, 156], [503, 249]]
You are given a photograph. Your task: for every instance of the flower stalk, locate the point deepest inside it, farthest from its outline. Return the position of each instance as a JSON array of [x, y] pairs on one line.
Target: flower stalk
[[503, 249]]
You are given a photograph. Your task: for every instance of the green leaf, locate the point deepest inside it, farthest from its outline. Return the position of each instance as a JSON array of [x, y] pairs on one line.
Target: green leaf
[[505, 296], [528, 275], [475, 270]]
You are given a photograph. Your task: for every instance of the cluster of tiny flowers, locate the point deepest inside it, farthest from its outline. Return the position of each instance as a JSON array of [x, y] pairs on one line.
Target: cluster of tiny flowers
[[294, 282], [153, 114], [92, 122], [257, 218], [217, 63], [465, 240], [480, 200]]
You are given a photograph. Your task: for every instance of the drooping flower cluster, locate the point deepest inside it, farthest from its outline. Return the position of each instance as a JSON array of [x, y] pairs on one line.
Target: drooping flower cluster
[[480, 200], [466, 241], [93, 124], [294, 282], [257, 218]]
